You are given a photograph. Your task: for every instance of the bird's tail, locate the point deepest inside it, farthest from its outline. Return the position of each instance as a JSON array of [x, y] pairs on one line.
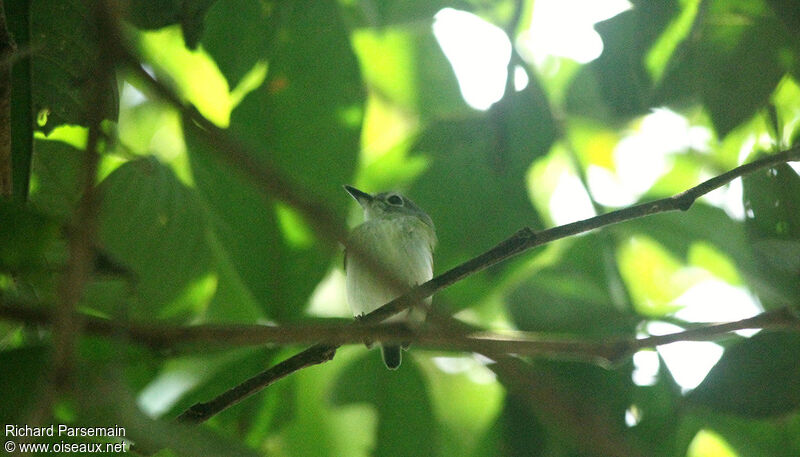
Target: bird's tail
[[391, 356]]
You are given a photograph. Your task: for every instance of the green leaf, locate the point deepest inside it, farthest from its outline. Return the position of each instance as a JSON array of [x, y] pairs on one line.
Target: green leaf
[[465, 399], [205, 376], [381, 14], [305, 119], [253, 257], [772, 205], [575, 296], [570, 400], [192, 73], [702, 223], [748, 436], [26, 236], [64, 65], [656, 410], [153, 14], [519, 432], [151, 223], [736, 65], [248, 23], [22, 381], [617, 84], [787, 11], [757, 377], [405, 415], [474, 188], [305, 122], [156, 14], [54, 175], [654, 277], [389, 60]]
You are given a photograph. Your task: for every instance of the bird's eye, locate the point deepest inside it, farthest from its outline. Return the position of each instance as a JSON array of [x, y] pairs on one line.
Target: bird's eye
[[395, 200]]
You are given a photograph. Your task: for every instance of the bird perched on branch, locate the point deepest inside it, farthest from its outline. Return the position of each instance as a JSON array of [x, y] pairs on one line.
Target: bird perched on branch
[[391, 252]]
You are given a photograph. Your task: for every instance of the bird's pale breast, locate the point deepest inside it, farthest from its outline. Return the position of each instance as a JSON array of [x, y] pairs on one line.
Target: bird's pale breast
[[403, 245]]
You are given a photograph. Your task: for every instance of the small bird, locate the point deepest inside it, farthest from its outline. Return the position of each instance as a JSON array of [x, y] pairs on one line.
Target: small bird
[[401, 237]]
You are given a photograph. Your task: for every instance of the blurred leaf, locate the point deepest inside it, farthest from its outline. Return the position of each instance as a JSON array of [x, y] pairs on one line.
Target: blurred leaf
[[739, 139], [196, 378], [772, 204], [708, 443], [653, 276], [786, 101], [684, 173], [54, 182], [715, 261], [385, 13], [756, 377], [150, 127], [593, 142], [105, 296], [571, 400], [474, 188], [519, 431], [679, 231], [22, 381], [253, 258], [193, 73], [154, 225], [787, 11], [25, 234], [153, 14], [573, 296], [388, 59], [405, 413], [305, 122], [277, 408], [655, 409], [101, 353], [748, 436], [617, 86], [194, 12], [102, 398], [466, 401], [733, 65], [156, 14], [65, 32], [305, 119], [248, 23], [670, 41]]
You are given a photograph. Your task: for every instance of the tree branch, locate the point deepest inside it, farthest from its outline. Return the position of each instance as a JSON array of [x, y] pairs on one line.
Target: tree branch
[[67, 323], [458, 337]]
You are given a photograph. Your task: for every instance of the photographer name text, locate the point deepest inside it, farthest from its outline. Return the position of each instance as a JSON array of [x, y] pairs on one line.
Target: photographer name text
[[63, 430]]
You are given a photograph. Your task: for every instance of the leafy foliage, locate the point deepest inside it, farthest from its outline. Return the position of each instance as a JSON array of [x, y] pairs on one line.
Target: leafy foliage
[[360, 92]]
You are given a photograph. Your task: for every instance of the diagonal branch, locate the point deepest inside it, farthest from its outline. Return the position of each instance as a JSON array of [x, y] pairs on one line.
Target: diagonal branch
[[522, 240]]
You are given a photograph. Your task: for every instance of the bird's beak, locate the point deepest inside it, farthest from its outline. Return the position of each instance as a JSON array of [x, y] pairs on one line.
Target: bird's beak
[[361, 197]]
